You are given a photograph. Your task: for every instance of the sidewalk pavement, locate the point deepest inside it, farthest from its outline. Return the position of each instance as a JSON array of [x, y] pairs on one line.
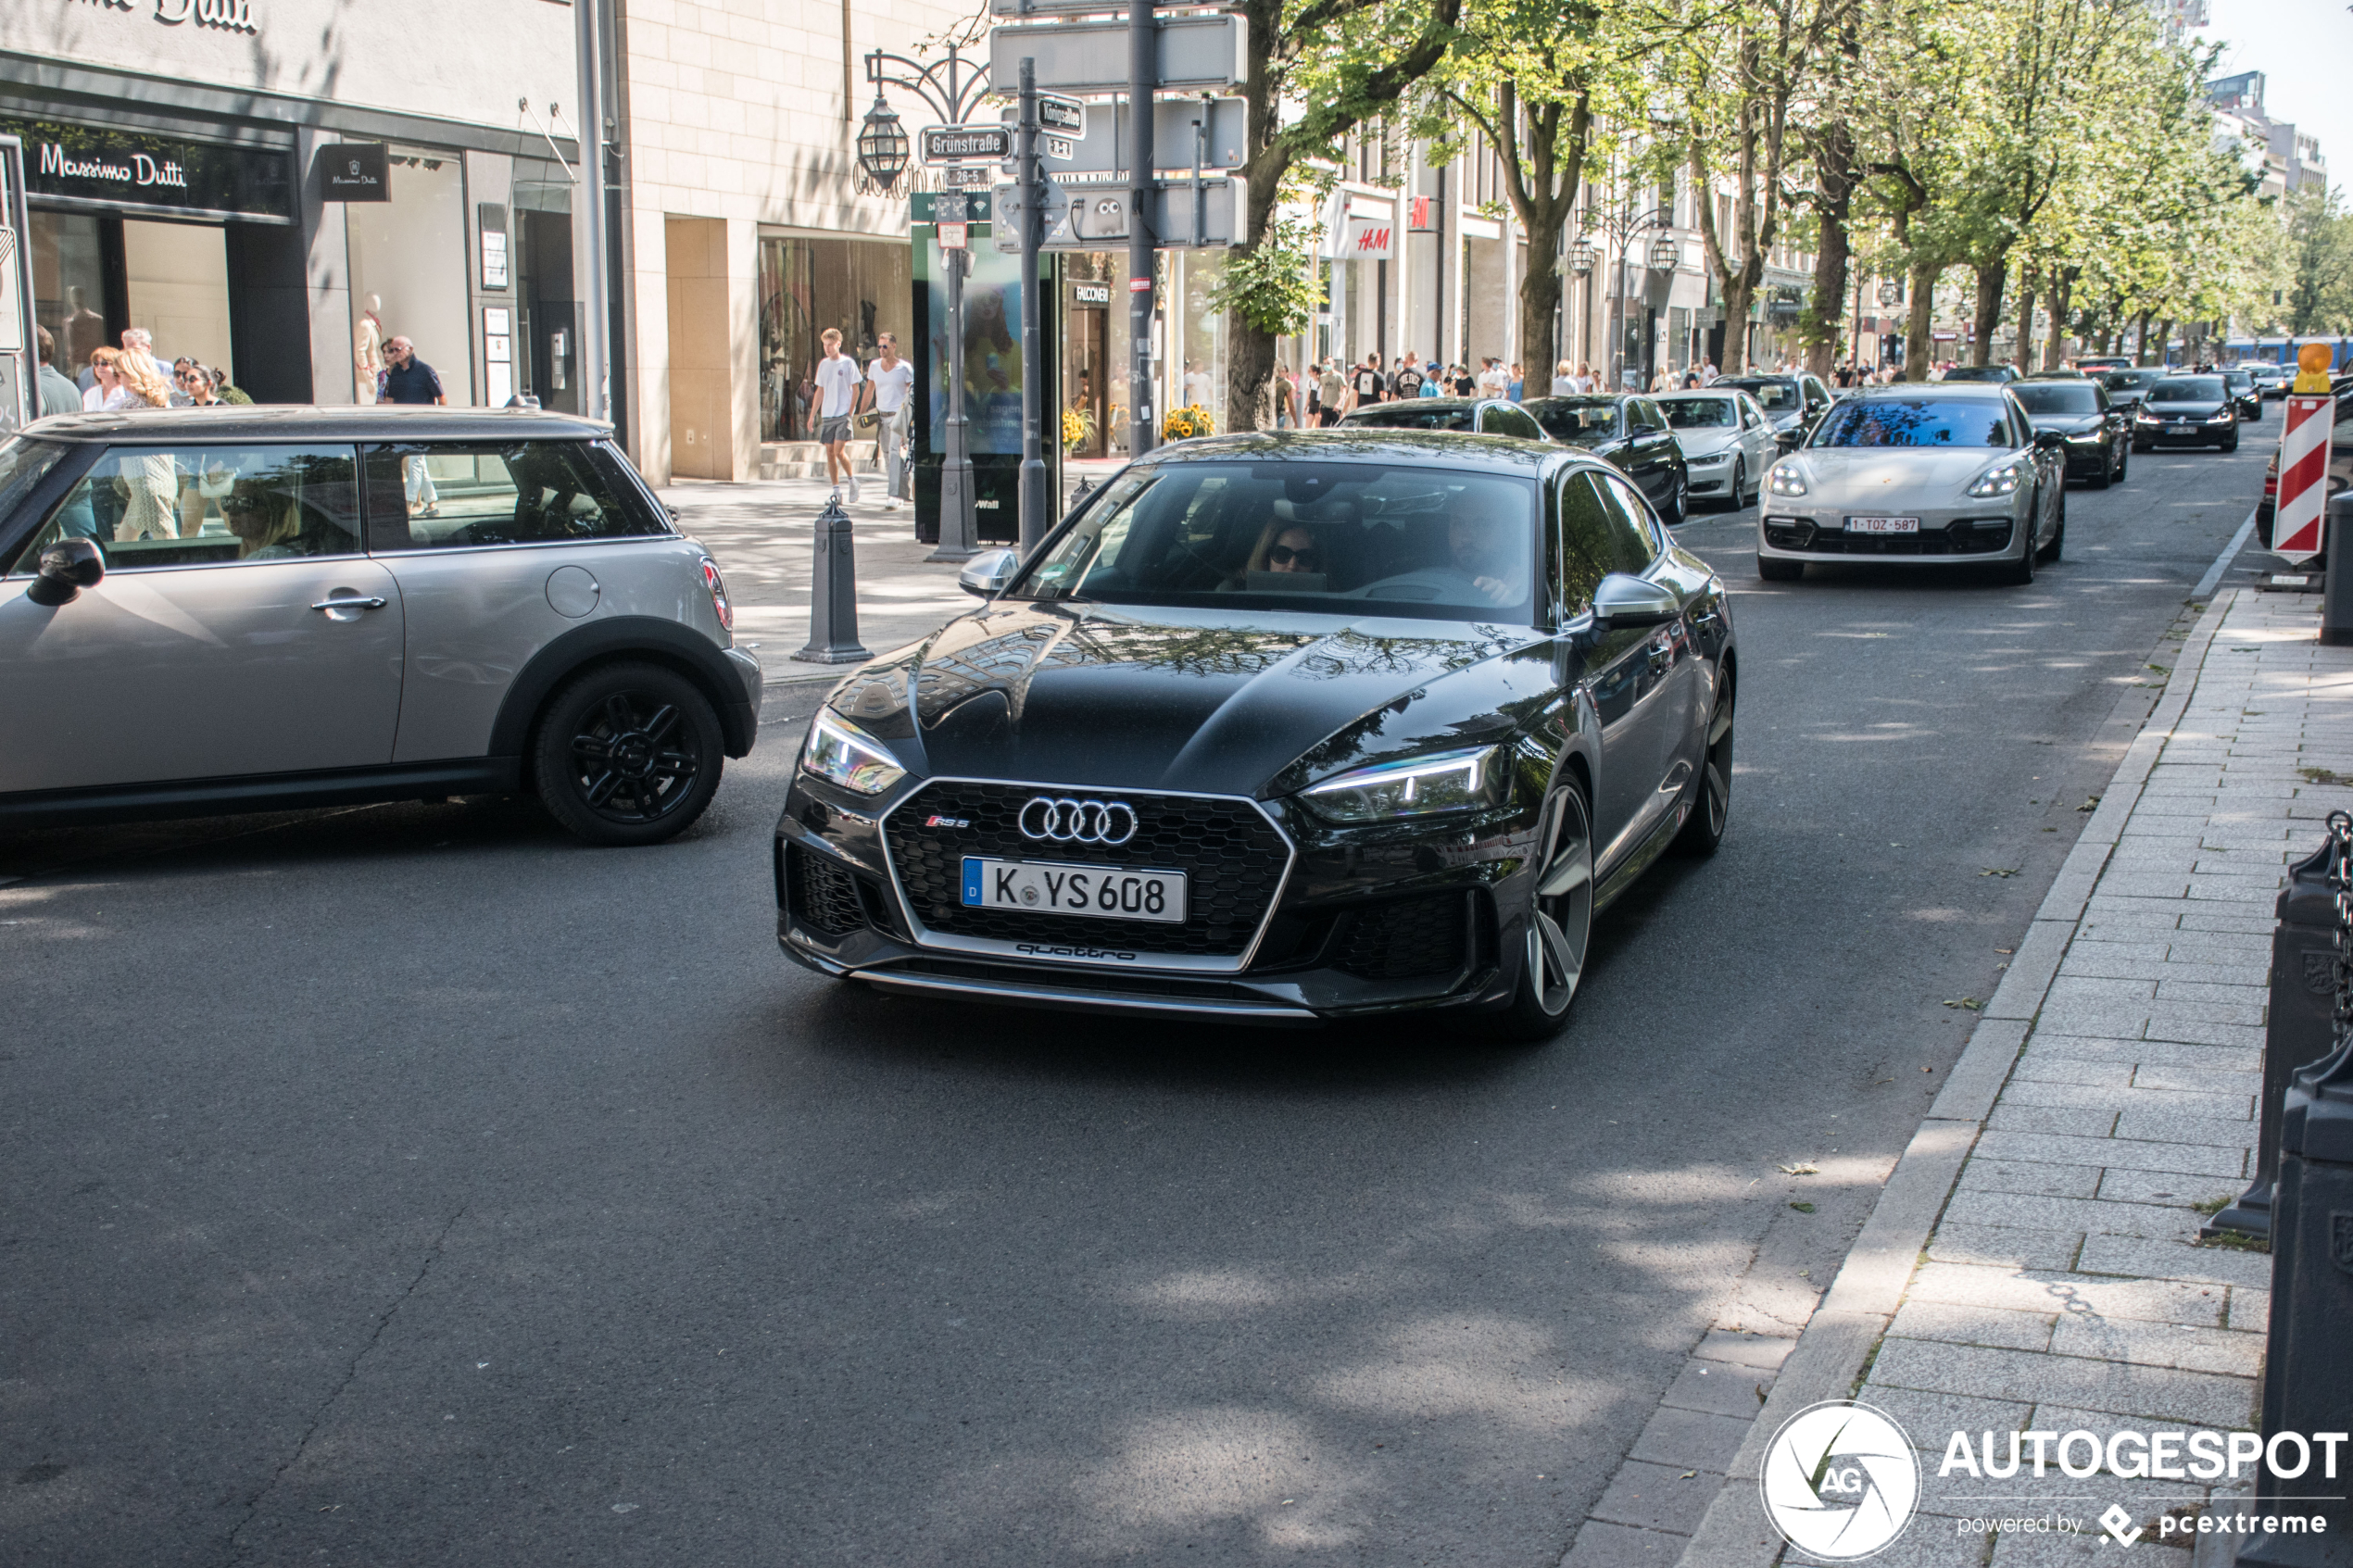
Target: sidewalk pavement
[[2033, 1262], [762, 532]]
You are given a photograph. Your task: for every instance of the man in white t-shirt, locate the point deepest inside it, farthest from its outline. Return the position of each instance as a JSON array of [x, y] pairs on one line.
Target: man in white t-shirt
[[893, 380], [1493, 379], [836, 399]]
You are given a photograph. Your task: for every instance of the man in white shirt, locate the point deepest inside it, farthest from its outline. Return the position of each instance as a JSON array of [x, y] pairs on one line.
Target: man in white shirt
[[1196, 385], [1707, 372], [893, 380], [1493, 379], [836, 399]]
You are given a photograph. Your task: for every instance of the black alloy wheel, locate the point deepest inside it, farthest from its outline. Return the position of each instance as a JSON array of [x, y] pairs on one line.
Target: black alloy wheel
[[2057, 545], [2018, 573], [1560, 919], [1713, 810], [1678, 502], [1740, 485], [628, 754], [2106, 476], [2123, 459]]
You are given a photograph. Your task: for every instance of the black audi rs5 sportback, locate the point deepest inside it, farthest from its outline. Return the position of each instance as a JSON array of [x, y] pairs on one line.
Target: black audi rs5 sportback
[[1278, 728]]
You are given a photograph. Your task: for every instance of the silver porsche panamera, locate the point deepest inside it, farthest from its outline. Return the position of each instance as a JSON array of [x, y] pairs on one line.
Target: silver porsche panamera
[[1918, 475]]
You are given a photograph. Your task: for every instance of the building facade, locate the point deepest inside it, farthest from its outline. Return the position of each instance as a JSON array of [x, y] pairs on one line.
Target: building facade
[[275, 187]]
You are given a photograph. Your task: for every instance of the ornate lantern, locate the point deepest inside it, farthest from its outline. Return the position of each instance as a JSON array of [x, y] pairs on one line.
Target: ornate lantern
[[882, 148], [1581, 257], [1665, 254]]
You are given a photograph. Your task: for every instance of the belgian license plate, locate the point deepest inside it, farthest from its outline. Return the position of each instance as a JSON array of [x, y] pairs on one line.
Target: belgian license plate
[[1055, 887], [1883, 525]]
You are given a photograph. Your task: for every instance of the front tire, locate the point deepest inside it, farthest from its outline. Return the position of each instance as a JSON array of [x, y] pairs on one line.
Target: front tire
[[1678, 502], [2233, 444], [1560, 921], [628, 754], [2020, 572], [1740, 486], [1712, 811], [2123, 462]]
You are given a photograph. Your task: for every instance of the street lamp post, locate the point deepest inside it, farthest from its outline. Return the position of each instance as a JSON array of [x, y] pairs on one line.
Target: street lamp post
[[952, 88], [1620, 230]]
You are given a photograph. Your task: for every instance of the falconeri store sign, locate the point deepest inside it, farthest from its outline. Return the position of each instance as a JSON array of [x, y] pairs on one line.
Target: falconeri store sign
[[129, 172]]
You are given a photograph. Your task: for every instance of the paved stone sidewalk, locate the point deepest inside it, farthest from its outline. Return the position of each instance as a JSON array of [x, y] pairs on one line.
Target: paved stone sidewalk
[[2032, 1263]]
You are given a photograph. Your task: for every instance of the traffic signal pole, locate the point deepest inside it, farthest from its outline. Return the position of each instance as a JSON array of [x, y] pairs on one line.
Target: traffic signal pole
[[1035, 518], [1143, 80]]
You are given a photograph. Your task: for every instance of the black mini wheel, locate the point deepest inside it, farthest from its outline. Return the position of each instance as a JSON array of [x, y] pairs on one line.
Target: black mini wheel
[[628, 754]]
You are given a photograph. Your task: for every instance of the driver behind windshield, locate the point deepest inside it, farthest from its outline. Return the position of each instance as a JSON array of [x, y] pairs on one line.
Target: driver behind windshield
[[1484, 544]]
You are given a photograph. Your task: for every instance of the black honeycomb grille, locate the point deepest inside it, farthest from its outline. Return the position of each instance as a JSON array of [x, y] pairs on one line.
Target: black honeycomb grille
[[1232, 859], [824, 897], [1399, 941]]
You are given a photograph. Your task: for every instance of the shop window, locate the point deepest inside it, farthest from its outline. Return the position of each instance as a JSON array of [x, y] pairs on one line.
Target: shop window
[[409, 266], [861, 288], [207, 506]]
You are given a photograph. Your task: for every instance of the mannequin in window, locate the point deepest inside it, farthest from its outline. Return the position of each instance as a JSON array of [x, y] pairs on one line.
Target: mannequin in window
[[367, 351]]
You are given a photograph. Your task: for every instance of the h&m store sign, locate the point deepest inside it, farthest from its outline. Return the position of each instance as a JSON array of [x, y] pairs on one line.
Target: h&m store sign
[[230, 16], [82, 166]]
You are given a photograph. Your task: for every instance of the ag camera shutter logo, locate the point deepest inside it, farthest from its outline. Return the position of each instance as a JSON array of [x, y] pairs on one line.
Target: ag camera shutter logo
[[1840, 1481]]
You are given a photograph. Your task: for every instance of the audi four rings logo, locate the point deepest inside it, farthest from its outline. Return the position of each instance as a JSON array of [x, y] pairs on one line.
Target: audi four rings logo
[[1062, 821]]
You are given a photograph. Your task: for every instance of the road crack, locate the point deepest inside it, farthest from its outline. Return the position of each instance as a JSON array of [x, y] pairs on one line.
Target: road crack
[[302, 1446]]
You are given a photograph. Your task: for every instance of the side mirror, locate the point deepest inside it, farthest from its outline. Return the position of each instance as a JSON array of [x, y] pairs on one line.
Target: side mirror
[[67, 567], [2050, 440], [1623, 600], [986, 573]]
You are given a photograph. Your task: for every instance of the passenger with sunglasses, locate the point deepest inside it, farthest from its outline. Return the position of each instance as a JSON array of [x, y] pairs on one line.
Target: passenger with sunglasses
[[1282, 546]]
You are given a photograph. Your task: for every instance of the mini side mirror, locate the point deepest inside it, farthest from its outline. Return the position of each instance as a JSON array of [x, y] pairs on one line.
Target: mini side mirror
[[67, 567], [986, 573], [1625, 600]]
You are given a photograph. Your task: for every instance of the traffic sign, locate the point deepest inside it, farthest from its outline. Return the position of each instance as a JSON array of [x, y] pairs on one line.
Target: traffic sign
[[1195, 53], [1096, 217], [2296, 533], [958, 143], [955, 237], [1066, 115], [1225, 119]]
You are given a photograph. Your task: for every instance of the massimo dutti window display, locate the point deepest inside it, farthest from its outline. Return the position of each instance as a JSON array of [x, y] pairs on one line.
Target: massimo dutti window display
[[409, 266]]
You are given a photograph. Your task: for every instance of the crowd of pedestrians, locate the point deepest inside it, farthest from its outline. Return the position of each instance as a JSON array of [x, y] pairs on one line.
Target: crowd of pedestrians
[[129, 377]]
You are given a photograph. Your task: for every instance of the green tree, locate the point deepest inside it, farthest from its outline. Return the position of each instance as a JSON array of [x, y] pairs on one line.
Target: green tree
[[2319, 292]]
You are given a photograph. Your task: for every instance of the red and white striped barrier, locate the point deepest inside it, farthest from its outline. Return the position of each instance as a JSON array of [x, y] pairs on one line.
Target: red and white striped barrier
[[2304, 471]]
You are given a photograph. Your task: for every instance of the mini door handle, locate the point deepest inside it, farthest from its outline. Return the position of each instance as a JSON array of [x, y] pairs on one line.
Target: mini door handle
[[349, 604]]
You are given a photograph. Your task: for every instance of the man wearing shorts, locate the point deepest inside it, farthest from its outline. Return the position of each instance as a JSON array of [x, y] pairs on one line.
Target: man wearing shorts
[[836, 399], [892, 380]]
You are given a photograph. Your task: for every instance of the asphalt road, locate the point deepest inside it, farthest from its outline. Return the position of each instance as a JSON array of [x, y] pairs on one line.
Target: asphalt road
[[410, 1185]]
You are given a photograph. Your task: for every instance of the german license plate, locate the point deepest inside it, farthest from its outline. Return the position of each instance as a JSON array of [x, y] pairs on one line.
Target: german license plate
[[2181, 430], [1883, 525], [1054, 887]]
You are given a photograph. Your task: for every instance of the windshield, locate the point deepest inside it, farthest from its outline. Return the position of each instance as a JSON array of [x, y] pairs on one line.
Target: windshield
[[2057, 397], [2188, 389], [2131, 381], [22, 462], [1360, 538], [2238, 378], [1978, 373], [1457, 417], [1702, 413], [1778, 397], [1580, 421], [1914, 421]]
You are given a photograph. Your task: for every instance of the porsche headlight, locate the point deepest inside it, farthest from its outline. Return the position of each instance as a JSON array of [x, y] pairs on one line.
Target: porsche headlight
[[1417, 787], [840, 753], [2002, 481], [1786, 480]]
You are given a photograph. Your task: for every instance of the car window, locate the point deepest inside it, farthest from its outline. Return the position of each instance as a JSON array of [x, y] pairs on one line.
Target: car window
[[207, 506], [1632, 545], [2187, 389], [1777, 396], [1504, 420], [457, 495], [1407, 417], [1648, 416], [1916, 422], [1702, 413], [2059, 397], [1338, 538], [23, 464], [1580, 421], [1583, 550]]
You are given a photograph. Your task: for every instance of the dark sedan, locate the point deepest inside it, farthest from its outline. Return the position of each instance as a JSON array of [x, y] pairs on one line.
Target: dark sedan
[[1278, 728], [1629, 431], [2127, 387], [2186, 411], [2245, 393], [1483, 416], [2099, 434], [1792, 403]]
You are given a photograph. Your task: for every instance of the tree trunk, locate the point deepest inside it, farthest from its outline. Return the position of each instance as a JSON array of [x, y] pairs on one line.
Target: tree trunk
[[2140, 339], [2164, 340], [1739, 293], [2029, 281], [2062, 297], [1539, 302], [1917, 343], [1991, 278], [1826, 313]]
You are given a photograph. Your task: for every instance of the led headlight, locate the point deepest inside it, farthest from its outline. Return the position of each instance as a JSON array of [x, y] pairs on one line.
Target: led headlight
[[840, 753], [2220, 416], [1449, 781], [2002, 481], [2146, 417], [1786, 480]]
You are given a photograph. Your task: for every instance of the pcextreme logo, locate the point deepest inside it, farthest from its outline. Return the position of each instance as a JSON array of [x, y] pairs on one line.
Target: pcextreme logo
[[1840, 1481]]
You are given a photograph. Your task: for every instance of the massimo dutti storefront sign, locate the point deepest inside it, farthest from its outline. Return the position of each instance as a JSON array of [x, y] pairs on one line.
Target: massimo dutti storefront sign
[[352, 171], [80, 166], [230, 16]]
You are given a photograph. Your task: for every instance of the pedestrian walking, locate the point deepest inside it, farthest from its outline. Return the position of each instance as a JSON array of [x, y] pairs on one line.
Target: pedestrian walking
[[1408, 382], [192, 386], [1333, 387], [58, 394], [408, 380], [139, 344], [1493, 381], [180, 396], [1517, 391], [836, 399], [1367, 383], [893, 380]]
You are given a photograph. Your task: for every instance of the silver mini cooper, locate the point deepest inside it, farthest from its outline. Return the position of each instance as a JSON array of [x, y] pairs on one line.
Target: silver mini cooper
[[226, 610]]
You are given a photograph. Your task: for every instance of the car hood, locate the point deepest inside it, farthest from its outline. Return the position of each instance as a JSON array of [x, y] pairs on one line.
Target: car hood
[[1707, 442], [2184, 410], [2068, 424], [1218, 702], [1870, 476]]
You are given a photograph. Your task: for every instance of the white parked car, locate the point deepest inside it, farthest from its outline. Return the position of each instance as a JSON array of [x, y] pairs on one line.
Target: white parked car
[[1727, 442]]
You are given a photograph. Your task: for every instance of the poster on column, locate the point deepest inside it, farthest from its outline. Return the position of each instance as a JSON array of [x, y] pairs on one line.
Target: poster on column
[[992, 354]]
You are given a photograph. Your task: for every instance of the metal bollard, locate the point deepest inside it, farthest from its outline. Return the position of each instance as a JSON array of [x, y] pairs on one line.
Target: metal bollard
[[2336, 592], [833, 593], [2302, 1028], [2308, 1369]]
